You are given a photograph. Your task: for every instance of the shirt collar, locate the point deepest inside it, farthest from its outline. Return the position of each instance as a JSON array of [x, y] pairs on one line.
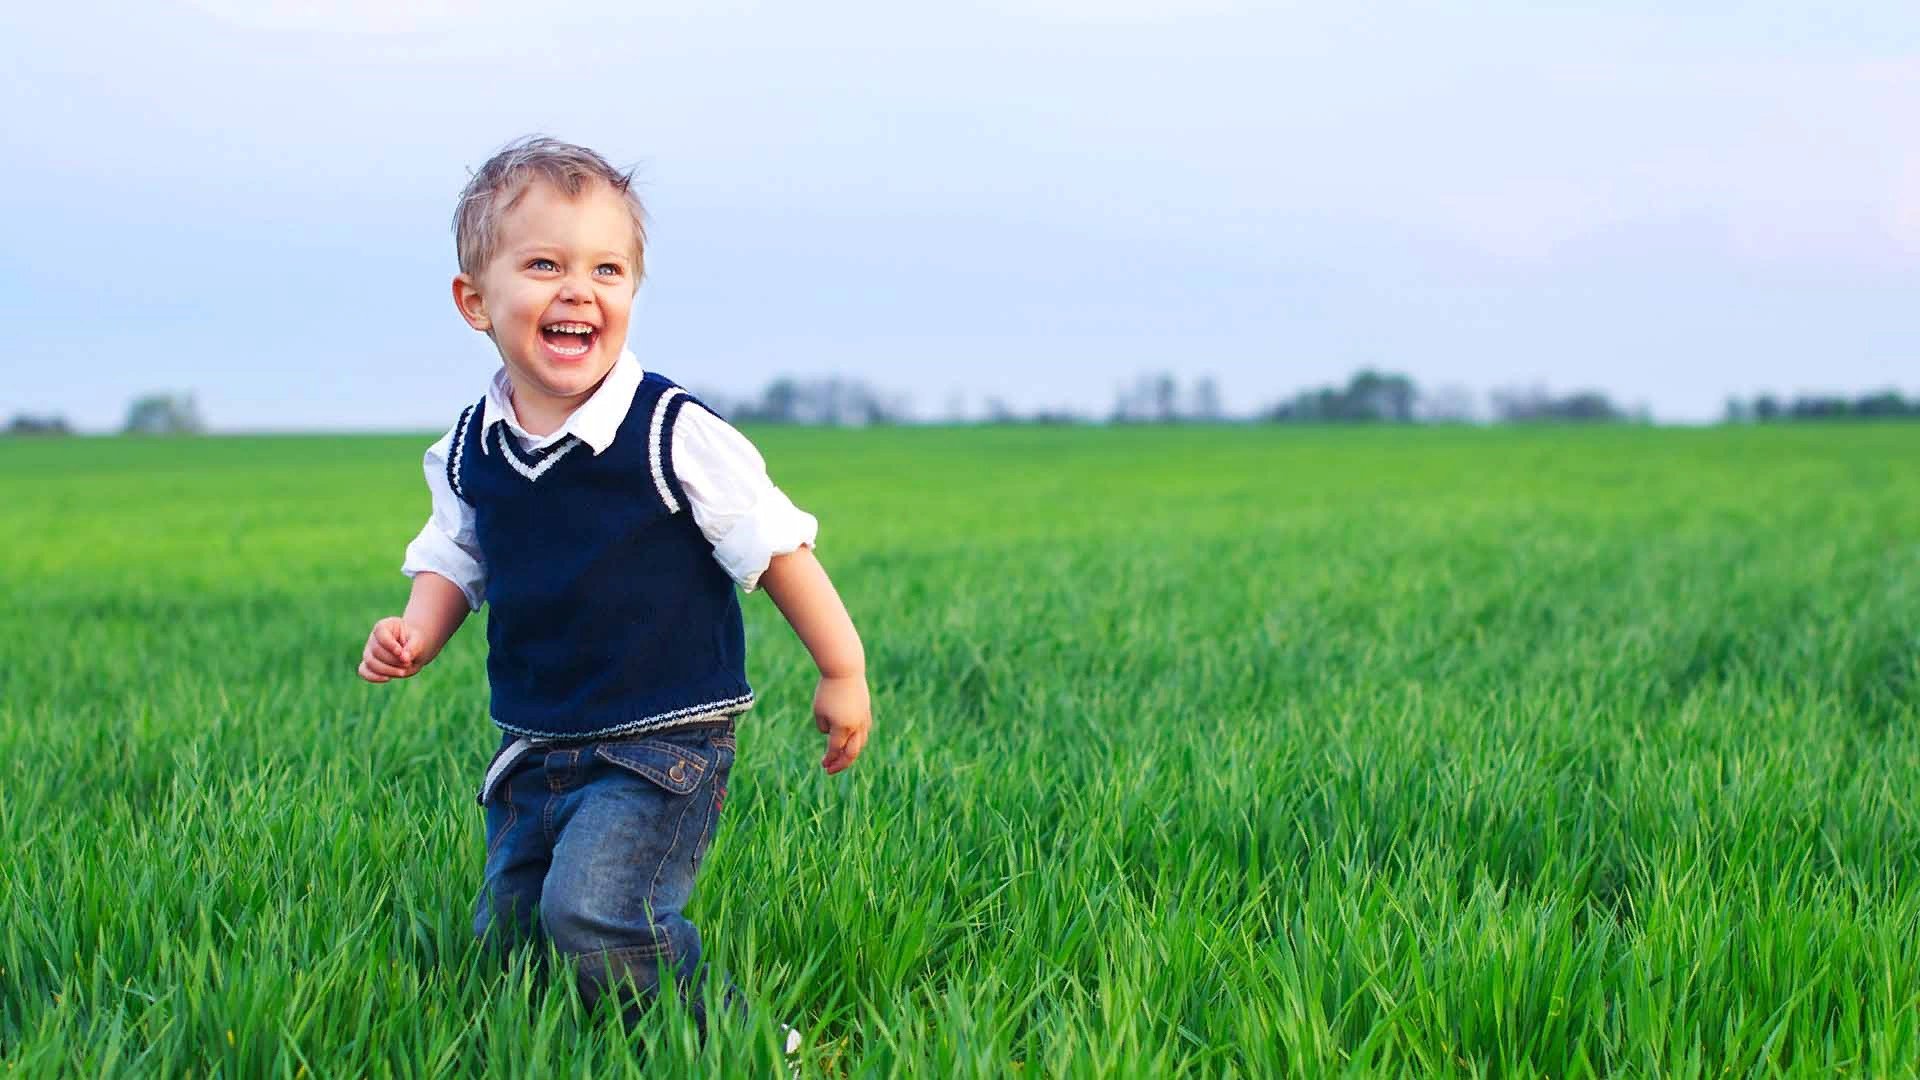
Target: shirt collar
[[595, 422]]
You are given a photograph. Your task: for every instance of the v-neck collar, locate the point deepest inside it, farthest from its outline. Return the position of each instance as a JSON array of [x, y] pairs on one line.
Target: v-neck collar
[[595, 422]]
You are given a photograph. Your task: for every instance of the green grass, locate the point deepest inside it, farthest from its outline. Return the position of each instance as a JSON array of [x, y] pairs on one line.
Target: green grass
[[1255, 751]]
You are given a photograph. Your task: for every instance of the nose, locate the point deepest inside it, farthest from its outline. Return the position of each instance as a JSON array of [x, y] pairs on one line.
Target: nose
[[574, 290]]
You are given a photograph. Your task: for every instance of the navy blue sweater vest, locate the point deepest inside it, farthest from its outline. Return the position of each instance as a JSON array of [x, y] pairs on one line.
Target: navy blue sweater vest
[[607, 612]]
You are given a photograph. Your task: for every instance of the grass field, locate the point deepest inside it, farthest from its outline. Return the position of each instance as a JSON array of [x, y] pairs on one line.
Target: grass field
[[1256, 751]]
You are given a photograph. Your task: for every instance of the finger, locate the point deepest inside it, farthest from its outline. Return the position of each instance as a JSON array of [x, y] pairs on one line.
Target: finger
[[381, 667], [386, 655], [369, 675], [837, 750], [392, 636], [404, 635], [820, 721], [851, 752]]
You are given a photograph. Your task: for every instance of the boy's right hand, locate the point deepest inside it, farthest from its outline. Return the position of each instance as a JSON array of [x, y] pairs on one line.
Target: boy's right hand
[[390, 652]]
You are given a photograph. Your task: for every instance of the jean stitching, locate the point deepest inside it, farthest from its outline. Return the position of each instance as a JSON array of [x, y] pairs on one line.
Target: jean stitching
[[653, 887], [513, 816], [713, 813], [546, 820], [685, 761], [559, 779], [705, 830]]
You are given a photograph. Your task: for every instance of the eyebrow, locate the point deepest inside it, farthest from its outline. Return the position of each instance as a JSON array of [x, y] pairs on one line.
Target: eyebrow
[[536, 249]]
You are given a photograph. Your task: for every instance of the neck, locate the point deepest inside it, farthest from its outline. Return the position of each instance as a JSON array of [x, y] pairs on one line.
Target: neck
[[542, 414]]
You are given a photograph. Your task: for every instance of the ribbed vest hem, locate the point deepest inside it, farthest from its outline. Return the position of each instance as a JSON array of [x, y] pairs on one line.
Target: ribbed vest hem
[[610, 723]]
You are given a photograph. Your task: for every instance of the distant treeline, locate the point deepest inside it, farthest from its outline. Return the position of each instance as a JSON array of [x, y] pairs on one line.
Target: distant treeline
[[1374, 397], [1883, 405], [833, 401], [149, 414], [1368, 397], [28, 424]]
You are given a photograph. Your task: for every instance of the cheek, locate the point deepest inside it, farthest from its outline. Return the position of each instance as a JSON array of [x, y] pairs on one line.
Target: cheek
[[617, 304], [528, 309]]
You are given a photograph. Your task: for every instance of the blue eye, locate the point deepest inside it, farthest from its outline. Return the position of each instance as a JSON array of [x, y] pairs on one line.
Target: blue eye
[[610, 269], [542, 264]]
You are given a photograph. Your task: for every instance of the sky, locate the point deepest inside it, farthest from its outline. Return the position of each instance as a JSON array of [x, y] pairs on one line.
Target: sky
[[1031, 200]]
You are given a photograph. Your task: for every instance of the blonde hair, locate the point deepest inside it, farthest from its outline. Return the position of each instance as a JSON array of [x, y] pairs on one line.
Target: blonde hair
[[503, 180]]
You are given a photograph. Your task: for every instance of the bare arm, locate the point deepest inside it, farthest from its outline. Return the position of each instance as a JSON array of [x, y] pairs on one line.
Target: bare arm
[[399, 647], [842, 706]]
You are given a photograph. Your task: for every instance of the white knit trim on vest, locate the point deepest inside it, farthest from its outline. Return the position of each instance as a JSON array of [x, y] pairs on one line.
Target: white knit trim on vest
[[726, 707], [653, 443], [535, 471], [460, 444]]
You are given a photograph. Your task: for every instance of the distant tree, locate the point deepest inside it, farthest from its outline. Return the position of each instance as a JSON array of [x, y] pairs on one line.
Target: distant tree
[[1134, 405], [1534, 405], [1056, 415], [1152, 399], [1886, 404], [1452, 404], [1877, 405], [164, 414], [1206, 401], [1369, 397], [1587, 405], [835, 401], [1376, 396], [25, 424], [1166, 399], [1820, 407], [779, 403]]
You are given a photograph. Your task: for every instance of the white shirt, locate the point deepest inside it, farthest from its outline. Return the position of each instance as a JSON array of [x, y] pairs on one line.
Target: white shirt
[[746, 519]]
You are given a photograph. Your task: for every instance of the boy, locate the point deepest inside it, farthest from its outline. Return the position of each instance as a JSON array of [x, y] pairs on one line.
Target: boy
[[606, 516]]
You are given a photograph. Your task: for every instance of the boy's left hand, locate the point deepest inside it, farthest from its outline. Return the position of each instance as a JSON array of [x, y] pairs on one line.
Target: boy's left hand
[[843, 710]]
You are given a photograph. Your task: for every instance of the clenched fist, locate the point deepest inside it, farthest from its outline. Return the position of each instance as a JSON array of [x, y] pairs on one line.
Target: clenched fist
[[392, 652], [843, 711]]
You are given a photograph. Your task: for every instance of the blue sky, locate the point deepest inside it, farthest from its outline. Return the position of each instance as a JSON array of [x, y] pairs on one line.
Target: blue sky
[[1035, 200]]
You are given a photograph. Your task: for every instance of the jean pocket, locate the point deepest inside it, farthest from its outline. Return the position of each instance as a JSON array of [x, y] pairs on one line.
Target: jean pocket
[[678, 769]]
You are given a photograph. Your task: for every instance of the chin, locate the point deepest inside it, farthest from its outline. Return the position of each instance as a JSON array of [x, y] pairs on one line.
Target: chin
[[587, 380]]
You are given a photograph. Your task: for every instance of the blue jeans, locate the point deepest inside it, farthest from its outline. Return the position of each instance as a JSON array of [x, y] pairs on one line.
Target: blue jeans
[[593, 846]]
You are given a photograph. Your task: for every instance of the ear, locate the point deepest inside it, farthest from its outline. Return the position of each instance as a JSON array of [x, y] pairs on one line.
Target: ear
[[472, 306]]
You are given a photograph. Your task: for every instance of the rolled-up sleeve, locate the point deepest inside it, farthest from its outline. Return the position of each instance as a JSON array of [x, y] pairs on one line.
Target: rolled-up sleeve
[[447, 544], [736, 505]]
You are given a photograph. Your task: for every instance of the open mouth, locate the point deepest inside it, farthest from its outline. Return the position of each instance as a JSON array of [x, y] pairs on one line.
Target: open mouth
[[568, 338]]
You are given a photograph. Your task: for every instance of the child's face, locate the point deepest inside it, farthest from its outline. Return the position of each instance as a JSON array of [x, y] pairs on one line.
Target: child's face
[[556, 295]]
